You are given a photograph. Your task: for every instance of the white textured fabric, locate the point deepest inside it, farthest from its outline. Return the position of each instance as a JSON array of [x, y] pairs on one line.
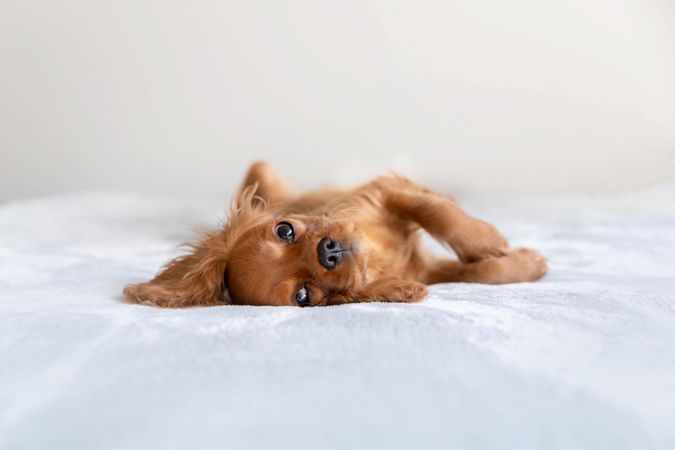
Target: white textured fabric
[[584, 359]]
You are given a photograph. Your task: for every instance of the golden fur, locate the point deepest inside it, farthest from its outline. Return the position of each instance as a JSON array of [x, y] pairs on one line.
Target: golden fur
[[379, 224]]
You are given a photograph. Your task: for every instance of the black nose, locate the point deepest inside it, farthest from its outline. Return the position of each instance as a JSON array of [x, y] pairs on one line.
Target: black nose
[[330, 253]]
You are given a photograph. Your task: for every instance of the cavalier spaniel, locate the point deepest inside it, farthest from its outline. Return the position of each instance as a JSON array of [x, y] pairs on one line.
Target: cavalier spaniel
[[334, 246]]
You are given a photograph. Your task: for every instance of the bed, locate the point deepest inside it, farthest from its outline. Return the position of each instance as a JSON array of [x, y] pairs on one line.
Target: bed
[[583, 359]]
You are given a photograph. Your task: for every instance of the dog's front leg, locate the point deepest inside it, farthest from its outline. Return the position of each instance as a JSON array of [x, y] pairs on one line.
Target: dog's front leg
[[383, 290], [472, 239]]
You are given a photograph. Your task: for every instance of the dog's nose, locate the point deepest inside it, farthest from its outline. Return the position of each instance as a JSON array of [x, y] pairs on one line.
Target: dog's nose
[[329, 252]]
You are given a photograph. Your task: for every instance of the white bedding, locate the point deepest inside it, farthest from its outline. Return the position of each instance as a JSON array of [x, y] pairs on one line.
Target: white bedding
[[583, 359]]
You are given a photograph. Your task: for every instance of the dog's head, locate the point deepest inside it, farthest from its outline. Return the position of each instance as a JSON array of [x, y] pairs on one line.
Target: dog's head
[[263, 256]]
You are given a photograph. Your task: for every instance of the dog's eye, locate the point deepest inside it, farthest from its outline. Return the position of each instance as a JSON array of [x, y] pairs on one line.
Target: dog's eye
[[285, 231], [302, 296]]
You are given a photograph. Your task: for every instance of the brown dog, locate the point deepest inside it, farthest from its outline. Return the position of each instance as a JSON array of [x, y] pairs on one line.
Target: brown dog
[[330, 247]]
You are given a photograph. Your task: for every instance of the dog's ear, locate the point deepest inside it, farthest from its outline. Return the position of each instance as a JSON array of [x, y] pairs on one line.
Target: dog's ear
[[198, 278], [384, 290], [194, 279]]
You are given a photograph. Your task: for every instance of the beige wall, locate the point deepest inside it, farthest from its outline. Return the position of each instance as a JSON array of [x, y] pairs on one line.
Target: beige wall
[[483, 96]]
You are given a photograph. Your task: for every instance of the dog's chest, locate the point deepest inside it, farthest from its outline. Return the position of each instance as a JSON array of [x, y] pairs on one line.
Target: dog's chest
[[393, 249]]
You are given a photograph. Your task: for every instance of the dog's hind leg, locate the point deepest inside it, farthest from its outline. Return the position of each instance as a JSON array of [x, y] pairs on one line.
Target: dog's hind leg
[[271, 186], [518, 265], [471, 239]]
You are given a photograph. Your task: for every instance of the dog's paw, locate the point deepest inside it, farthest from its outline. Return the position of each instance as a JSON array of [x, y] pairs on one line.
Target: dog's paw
[[413, 292], [529, 263], [384, 290]]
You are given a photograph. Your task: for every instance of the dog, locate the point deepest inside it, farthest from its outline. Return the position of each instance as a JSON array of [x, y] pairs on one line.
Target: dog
[[334, 246]]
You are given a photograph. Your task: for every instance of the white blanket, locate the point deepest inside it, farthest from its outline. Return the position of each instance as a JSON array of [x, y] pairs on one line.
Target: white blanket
[[583, 359]]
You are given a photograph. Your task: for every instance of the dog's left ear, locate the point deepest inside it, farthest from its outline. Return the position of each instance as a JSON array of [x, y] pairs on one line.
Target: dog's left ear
[[198, 277], [194, 279]]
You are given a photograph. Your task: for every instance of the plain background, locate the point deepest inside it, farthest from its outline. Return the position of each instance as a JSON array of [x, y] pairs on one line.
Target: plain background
[[481, 96]]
